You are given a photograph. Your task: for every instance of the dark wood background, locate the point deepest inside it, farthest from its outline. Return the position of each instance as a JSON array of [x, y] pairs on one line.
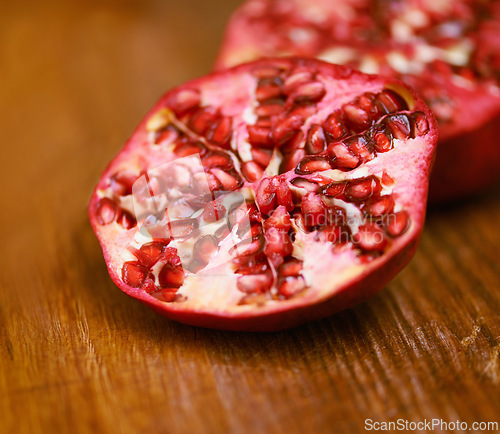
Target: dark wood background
[[78, 356]]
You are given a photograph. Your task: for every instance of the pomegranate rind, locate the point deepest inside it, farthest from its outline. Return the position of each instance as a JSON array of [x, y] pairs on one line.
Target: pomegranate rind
[[468, 155], [335, 293]]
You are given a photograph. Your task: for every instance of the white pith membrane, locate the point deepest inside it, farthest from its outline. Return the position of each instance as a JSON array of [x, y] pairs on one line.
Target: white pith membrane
[[327, 266], [445, 49]]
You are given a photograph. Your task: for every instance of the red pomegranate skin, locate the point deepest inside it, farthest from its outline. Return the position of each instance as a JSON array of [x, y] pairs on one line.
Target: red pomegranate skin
[[334, 161], [447, 50]]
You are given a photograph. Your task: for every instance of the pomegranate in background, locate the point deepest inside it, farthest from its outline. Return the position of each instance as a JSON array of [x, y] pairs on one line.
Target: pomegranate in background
[[447, 50], [267, 195]]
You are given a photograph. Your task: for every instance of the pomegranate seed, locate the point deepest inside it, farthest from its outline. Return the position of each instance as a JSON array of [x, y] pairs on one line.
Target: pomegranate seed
[[421, 125], [296, 79], [359, 146], [334, 189], [268, 71], [279, 219], [286, 128], [312, 92], [248, 247], [367, 102], [134, 274], [315, 142], [342, 156], [255, 282], [259, 135], [121, 183], [387, 180], [213, 182], [397, 224], [331, 234], [166, 136], [278, 245], [268, 89], [292, 286], [184, 149], [336, 216], [126, 220], [201, 120], [213, 212], [107, 211], [399, 125], [252, 171], [334, 125], [206, 248], [362, 189], [182, 228], [383, 143], [262, 156], [297, 142], [217, 159], [313, 163], [389, 101], [252, 232], [379, 206], [283, 194], [270, 108], [314, 210], [184, 100], [292, 267], [370, 237], [221, 132], [171, 276], [357, 119], [266, 196], [229, 181], [251, 264], [305, 184], [291, 160], [150, 253]]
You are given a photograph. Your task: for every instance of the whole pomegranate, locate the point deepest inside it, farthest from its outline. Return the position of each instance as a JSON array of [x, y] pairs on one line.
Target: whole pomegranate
[[268, 194], [446, 49]]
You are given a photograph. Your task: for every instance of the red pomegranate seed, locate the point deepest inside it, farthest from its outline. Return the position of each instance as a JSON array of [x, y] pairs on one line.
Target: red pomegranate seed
[[182, 228], [311, 164], [255, 282], [268, 89], [389, 101], [283, 194], [367, 102], [296, 79], [248, 247], [278, 245], [206, 248], [165, 294], [266, 196], [357, 119], [292, 286], [377, 207], [202, 119], [134, 274], [370, 237], [383, 143], [262, 156], [313, 210], [229, 181], [305, 184], [362, 189], [334, 125], [297, 142], [292, 267], [251, 171], [150, 253], [106, 211], [336, 216], [252, 232], [126, 220], [279, 219], [213, 182], [184, 100], [360, 147], [217, 159], [399, 125], [332, 234], [292, 159], [285, 129], [171, 276], [421, 125], [121, 183], [334, 189], [397, 224], [270, 108], [387, 180], [312, 92], [220, 133], [185, 149], [259, 135], [315, 142], [342, 156], [213, 212], [251, 264], [167, 135]]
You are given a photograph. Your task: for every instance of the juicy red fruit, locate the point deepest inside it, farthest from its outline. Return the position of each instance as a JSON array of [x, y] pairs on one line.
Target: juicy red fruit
[[267, 195]]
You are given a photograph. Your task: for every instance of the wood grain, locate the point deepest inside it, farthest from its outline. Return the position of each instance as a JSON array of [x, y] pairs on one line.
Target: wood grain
[[78, 356]]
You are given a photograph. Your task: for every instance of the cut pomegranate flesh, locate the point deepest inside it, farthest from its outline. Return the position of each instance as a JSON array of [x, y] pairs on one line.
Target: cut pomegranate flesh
[[447, 50], [231, 229]]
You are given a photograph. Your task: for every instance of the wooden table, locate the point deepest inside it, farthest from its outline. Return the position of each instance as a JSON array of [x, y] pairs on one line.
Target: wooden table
[[79, 356]]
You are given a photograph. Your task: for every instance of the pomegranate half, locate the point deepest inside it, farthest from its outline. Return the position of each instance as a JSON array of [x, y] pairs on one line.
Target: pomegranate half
[[267, 195], [447, 50]]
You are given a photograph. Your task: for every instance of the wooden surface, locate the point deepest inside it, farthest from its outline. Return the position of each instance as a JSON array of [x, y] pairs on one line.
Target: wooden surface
[[78, 356]]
